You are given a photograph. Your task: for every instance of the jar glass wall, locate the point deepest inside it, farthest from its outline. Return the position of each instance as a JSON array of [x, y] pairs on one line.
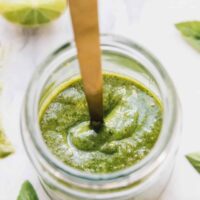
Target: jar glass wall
[[146, 179]]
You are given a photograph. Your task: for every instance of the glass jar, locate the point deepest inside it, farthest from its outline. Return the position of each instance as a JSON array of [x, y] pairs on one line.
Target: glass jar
[[145, 180]]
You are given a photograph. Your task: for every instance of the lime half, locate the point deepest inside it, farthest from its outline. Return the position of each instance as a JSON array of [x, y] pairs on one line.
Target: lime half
[[32, 12]]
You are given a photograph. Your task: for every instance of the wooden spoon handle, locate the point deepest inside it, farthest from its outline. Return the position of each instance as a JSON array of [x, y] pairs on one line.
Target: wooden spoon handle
[[84, 14]]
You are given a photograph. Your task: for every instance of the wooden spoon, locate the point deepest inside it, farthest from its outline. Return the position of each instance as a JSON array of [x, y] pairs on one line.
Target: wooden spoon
[[84, 14]]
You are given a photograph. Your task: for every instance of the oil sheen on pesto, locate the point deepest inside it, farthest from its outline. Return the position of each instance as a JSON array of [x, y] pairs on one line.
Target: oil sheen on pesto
[[132, 123]]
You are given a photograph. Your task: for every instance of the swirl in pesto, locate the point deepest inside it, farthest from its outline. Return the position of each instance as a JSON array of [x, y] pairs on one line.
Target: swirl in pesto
[[132, 123]]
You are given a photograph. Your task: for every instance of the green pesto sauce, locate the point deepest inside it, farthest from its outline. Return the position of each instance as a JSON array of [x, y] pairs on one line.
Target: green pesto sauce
[[132, 123]]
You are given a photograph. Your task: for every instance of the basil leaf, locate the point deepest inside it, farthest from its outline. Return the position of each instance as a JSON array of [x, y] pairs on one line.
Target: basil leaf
[[194, 159], [27, 192], [191, 32], [5, 146]]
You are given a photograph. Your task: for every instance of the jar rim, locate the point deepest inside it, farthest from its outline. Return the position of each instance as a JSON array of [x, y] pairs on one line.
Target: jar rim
[[156, 155]]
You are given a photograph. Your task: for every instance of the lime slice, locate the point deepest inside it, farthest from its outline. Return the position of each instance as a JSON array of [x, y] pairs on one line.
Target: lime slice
[[32, 12]]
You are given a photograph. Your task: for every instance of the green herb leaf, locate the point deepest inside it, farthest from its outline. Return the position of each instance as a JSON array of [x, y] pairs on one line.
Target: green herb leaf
[[191, 32], [27, 192], [194, 159], [5, 146]]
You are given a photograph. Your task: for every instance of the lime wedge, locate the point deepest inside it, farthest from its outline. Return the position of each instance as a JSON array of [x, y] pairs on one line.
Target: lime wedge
[[32, 12], [6, 147]]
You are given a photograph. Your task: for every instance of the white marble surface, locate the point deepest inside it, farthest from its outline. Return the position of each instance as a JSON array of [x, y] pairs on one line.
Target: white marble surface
[[150, 22]]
